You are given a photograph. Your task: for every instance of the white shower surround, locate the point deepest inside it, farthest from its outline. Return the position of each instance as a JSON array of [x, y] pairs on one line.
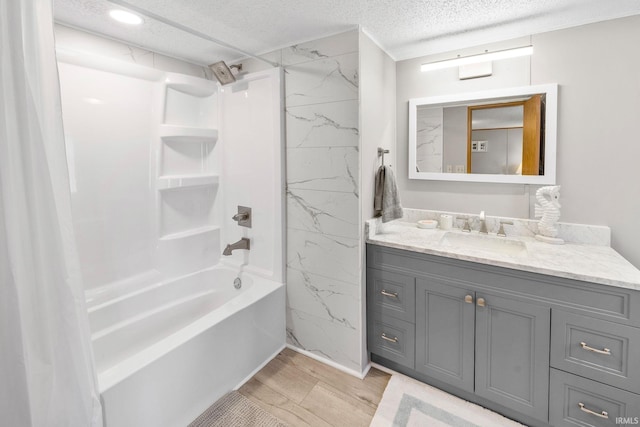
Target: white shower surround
[[150, 191]]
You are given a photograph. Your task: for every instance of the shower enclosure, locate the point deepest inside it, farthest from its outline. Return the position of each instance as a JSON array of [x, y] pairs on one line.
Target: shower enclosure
[[158, 164]]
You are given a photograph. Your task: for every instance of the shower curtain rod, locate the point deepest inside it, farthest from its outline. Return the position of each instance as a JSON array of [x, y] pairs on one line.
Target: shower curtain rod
[[184, 28]]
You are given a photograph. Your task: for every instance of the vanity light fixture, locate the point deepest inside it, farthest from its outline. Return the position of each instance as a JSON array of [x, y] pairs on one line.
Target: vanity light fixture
[[474, 59], [125, 17]]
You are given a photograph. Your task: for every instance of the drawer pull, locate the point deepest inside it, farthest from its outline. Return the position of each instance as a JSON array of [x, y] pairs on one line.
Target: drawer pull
[[603, 414], [389, 294], [481, 302], [468, 299], [393, 340], [605, 351]]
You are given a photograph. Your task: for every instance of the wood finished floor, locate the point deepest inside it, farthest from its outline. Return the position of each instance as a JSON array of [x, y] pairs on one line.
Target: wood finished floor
[[304, 392]]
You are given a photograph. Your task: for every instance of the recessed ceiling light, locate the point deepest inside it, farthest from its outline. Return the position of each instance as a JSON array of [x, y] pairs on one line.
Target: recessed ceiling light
[[126, 17]]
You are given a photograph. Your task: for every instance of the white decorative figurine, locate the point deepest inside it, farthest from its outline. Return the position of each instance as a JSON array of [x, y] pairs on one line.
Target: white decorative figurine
[[548, 210]]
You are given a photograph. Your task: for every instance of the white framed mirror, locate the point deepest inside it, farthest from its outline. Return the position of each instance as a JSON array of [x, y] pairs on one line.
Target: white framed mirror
[[504, 135]]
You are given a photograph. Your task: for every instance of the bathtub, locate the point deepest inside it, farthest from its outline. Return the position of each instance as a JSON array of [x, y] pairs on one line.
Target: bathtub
[[165, 351]]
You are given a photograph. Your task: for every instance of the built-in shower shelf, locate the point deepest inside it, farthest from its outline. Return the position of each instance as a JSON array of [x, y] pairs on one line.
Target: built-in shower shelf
[[190, 232], [188, 134], [193, 86], [172, 182]]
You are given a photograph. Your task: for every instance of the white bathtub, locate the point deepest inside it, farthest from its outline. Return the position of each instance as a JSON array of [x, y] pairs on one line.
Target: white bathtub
[[166, 351]]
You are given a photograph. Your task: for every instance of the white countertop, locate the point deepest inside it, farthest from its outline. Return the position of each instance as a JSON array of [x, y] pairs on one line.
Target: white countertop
[[592, 263]]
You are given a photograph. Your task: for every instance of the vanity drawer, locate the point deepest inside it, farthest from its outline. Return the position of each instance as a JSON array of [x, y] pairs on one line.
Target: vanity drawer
[[392, 339], [391, 294], [576, 401], [593, 348]]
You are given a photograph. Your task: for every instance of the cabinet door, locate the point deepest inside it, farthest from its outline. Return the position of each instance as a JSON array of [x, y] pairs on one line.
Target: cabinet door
[[444, 332], [512, 354]]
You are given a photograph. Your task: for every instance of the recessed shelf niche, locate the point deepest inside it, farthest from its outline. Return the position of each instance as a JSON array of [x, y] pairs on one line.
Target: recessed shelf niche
[[188, 176], [185, 109], [187, 209]]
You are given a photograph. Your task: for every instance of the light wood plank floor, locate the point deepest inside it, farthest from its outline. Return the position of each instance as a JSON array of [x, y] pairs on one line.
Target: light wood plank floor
[[304, 392]]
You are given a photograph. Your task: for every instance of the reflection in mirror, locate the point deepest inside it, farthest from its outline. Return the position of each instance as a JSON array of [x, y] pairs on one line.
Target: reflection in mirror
[[516, 139], [497, 136]]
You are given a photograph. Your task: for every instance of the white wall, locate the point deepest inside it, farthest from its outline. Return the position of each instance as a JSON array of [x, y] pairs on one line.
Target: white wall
[[377, 110], [378, 129], [113, 243], [252, 163], [596, 67]]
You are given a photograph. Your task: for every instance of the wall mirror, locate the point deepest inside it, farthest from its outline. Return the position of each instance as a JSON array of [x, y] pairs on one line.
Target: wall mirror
[[504, 135]]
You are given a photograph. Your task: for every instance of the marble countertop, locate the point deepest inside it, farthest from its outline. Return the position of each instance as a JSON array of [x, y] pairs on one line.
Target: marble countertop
[[592, 263]]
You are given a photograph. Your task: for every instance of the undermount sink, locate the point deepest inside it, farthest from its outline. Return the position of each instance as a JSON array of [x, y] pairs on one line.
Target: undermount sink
[[480, 242]]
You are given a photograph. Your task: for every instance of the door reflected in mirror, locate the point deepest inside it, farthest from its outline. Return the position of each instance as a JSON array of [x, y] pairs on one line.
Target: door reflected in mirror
[[496, 136]]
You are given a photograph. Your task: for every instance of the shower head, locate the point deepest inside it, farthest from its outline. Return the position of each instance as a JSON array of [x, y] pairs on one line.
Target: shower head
[[222, 73]]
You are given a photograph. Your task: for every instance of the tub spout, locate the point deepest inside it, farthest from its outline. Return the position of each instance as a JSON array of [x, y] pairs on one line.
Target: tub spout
[[243, 243]]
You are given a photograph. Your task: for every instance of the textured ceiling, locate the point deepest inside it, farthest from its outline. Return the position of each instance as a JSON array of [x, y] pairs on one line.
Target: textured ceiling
[[404, 28]]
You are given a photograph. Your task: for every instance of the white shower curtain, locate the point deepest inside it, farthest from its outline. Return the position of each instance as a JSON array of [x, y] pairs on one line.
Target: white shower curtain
[[47, 377]]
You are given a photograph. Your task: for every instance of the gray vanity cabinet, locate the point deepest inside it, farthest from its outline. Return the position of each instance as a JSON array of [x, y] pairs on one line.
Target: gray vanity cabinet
[[485, 343], [540, 349]]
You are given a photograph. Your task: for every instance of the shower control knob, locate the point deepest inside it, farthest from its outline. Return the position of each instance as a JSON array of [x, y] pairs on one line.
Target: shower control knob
[[240, 216], [243, 217]]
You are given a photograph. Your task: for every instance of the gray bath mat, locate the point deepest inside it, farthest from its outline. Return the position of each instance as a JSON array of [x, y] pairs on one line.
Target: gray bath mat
[[235, 410]]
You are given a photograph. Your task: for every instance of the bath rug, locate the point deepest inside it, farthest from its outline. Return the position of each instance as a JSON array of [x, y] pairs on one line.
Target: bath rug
[[235, 410], [410, 403]]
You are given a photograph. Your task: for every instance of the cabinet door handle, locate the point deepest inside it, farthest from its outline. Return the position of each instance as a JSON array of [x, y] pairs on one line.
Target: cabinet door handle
[[385, 337], [604, 351], [468, 299], [481, 302], [603, 414], [389, 294]]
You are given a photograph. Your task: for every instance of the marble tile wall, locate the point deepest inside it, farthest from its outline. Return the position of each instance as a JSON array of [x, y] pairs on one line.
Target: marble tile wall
[[323, 220]]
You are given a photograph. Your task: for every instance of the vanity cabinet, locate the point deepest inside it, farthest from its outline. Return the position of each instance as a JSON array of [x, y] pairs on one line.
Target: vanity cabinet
[[483, 342], [542, 350]]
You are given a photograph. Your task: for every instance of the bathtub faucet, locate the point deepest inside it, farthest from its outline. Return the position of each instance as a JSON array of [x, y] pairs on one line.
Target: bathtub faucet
[[243, 243]]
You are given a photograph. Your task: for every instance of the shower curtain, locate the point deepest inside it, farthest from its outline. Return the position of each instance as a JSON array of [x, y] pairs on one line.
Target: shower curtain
[[47, 377]]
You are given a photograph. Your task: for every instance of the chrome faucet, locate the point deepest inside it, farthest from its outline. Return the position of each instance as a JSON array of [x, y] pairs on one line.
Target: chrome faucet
[[483, 224], [243, 243], [501, 232]]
